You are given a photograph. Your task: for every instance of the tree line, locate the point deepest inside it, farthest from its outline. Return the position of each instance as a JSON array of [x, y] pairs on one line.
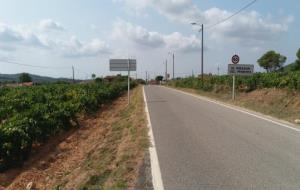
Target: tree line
[[273, 61]]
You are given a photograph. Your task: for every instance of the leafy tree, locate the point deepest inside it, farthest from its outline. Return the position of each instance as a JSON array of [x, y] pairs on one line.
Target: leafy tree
[[98, 80], [271, 61], [93, 76], [159, 78], [297, 62], [25, 77], [140, 81]]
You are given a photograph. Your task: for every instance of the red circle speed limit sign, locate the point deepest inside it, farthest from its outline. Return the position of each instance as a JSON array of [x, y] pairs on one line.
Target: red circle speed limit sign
[[235, 59]]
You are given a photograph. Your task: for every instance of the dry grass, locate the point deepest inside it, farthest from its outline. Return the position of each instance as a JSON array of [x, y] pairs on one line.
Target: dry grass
[[115, 164]]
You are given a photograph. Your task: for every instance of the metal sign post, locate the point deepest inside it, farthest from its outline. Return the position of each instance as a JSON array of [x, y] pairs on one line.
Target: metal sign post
[[235, 60], [236, 69], [123, 65], [239, 70], [233, 87], [128, 66]]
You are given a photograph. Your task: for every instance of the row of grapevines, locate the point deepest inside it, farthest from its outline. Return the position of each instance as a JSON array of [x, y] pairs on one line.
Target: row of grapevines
[[31, 115], [289, 80]]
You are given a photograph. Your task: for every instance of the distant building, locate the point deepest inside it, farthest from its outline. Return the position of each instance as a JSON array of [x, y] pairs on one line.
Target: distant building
[[26, 84], [19, 84]]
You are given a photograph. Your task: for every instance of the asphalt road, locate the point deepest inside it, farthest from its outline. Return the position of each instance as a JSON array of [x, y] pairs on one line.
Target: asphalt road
[[203, 145]]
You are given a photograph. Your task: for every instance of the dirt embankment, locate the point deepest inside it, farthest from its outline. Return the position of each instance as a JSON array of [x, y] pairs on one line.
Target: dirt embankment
[[280, 103], [105, 152]]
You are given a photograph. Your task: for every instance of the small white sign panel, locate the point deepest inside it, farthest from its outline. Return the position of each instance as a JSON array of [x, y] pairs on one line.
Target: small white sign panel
[[122, 65], [240, 69]]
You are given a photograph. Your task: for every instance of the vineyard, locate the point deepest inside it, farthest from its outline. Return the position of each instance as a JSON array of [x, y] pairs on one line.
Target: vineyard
[[289, 80], [31, 115]]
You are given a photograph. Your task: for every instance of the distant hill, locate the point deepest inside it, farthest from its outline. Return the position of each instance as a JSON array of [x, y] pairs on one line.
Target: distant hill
[[35, 78]]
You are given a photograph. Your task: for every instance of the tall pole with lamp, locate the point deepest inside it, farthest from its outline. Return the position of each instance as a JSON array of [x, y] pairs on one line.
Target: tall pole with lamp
[[166, 73], [173, 56], [202, 49]]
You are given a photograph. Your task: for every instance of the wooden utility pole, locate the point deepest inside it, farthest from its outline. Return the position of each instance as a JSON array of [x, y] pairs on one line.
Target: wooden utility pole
[[73, 74]]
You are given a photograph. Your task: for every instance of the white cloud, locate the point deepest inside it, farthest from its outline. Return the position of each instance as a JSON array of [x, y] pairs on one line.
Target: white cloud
[[137, 34], [77, 48], [134, 7], [50, 25], [177, 41], [176, 10], [150, 39], [136, 4], [13, 37], [249, 28]]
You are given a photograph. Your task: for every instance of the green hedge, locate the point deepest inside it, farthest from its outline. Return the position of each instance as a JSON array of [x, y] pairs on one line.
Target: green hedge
[[31, 115]]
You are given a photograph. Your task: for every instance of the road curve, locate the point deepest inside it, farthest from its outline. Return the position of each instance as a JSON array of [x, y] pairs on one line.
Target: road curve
[[203, 145]]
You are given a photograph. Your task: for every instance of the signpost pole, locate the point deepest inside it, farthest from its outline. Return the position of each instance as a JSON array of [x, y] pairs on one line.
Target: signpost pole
[[238, 70], [233, 87], [123, 65], [128, 82]]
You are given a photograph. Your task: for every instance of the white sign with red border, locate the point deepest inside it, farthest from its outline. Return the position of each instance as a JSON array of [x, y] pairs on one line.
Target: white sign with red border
[[235, 59]]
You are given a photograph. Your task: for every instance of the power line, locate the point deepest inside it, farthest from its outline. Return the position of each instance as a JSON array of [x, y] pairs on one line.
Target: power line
[[236, 13], [36, 66], [82, 72], [45, 67]]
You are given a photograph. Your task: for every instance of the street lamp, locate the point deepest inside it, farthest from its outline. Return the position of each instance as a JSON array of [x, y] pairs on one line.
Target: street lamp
[[202, 31], [173, 55], [166, 72]]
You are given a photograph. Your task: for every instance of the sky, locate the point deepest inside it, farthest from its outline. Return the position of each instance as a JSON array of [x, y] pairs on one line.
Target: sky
[[52, 36]]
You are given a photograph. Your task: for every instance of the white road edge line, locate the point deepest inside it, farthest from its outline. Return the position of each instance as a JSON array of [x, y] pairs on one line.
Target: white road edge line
[[236, 109], [155, 169]]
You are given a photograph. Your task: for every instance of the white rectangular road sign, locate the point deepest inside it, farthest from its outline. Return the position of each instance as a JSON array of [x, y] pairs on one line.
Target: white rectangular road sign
[[122, 64], [240, 69]]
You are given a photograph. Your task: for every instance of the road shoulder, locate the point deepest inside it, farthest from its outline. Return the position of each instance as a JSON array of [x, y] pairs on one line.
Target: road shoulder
[[247, 111]]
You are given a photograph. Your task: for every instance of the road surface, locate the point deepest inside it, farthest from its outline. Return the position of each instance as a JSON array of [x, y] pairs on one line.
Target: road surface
[[203, 145]]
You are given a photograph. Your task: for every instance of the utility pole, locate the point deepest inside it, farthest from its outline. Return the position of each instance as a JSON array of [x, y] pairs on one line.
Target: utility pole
[[166, 70], [173, 56], [202, 49], [202, 57], [146, 77], [218, 70], [173, 66], [73, 74]]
